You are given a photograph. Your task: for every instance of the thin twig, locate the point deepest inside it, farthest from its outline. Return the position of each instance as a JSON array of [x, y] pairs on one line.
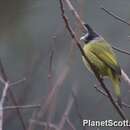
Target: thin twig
[[31, 125], [37, 116], [50, 63], [17, 82], [44, 124], [12, 97], [50, 77], [125, 77], [2, 73], [75, 13], [20, 107], [125, 105], [66, 112], [115, 16], [49, 99], [56, 86], [4, 80], [105, 94], [100, 90], [77, 107], [121, 50], [72, 33], [2, 104], [70, 124], [65, 115]]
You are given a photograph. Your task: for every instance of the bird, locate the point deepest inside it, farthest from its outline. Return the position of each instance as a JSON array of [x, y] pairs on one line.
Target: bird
[[102, 56]]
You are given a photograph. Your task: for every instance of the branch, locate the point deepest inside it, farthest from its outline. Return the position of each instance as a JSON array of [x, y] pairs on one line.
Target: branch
[[72, 33], [12, 97], [3, 75], [17, 82], [66, 112], [2, 104], [32, 123], [45, 124], [52, 93], [38, 115], [77, 106], [105, 94], [125, 77], [50, 63], [20, 107], [50, 77], [100, 90], [121, 50], [5, 81], [70, 124], [115, 16], [56, 86], [75, 13]]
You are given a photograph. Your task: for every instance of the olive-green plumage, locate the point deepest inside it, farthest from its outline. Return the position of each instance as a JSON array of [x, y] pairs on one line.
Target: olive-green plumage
[[101, 55]]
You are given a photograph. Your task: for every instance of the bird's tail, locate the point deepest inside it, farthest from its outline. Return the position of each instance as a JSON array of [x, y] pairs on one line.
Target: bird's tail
[[116, 84]]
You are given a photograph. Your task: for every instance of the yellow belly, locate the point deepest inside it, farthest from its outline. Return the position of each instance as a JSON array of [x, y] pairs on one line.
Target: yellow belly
[[101, 67], [101, 55]]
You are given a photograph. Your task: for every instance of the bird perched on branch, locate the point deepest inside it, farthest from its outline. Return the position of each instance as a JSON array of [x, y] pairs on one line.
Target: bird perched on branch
[[101, 55]]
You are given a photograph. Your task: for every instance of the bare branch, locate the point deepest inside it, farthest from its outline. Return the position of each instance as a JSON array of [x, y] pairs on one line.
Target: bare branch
[[50, 77], [50, 63], [3, 75], [76, 103], [2, 104], [115, 16], [125, 77], [20, 107], [75, 13], [65, 115], [70, 124], [100, 90], [17, 82], [125, 105], [121, 50], [44, 124], [77, 106], [54, 89], [5, 81], [31, 121], [105, 94], [12, 97], [50, 96], [66, 112]]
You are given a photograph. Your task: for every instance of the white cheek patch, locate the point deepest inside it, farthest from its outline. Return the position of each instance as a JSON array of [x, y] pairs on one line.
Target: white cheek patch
[[84, 37]]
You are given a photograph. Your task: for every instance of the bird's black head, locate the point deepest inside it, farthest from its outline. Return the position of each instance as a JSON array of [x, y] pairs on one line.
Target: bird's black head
[[90, 35]]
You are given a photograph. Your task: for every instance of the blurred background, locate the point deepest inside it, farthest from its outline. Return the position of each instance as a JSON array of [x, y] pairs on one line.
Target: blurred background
[[30, 30]]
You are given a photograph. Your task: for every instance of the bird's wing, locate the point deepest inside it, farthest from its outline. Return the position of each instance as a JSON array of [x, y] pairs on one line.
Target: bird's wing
[[105, 54]]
